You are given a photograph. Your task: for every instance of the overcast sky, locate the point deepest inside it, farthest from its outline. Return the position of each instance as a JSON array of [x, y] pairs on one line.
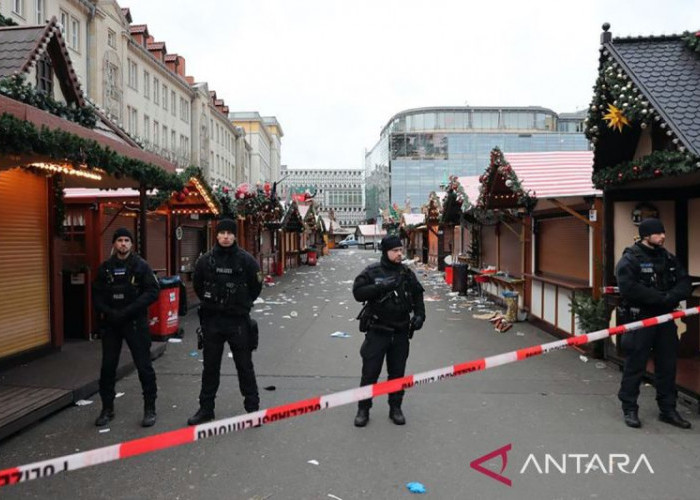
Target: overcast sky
[[334, 72]]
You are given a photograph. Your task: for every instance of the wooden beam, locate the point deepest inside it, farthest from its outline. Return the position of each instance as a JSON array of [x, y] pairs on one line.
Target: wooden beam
[[567, 209], [510, 228]]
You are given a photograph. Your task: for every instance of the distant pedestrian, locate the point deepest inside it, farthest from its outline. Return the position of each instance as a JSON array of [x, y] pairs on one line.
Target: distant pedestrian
[[391, 292], [227, 280], [652, 282], [124, 288]]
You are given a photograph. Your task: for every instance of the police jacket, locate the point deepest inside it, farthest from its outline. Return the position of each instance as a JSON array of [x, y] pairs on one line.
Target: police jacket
[[227, 281], [123, 290], [651, 279], [391, 305]]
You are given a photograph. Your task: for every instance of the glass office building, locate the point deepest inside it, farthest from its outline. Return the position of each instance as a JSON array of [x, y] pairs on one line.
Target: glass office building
[[419, 149]]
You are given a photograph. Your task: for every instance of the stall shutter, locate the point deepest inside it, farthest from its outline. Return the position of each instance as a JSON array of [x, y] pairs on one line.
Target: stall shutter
[[24, 262], [511, 251], [489, 246], [157, 243], [562, 248]]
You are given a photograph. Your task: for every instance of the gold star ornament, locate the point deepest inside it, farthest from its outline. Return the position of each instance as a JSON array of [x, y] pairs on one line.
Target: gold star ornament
[[615, 118]]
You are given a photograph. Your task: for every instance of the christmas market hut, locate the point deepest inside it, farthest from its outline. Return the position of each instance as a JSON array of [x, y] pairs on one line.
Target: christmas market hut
[[292, 226], [644, 125], [432, 211], [413, 230], [51, 139]]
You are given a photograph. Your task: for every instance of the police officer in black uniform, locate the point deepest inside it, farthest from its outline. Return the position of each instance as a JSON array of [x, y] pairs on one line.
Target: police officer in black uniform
[[652, 282], [227, 280], [391, 292], [124, 288]]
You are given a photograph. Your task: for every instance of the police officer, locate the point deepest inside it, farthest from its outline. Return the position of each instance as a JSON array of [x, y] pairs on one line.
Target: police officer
[[227, 280], [652, 282], [392, 292], [124, 288]]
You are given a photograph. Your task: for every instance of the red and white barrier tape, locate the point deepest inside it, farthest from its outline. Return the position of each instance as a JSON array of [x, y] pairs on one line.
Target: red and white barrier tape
[[241, 422]]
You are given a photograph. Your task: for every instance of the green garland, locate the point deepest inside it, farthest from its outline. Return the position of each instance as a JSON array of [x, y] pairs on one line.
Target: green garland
[[6, 21], [499, 165], [15, 87], [657, 164], [455, 202], [692, 40]]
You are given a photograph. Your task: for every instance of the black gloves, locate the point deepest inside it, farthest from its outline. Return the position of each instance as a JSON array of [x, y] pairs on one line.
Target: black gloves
[[389, 284], [417, 322]]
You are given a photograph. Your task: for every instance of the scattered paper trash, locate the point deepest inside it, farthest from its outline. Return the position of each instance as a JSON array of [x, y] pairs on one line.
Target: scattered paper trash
[[83, 402], [415, 487], [312, 462], [331, 495], [520, 334], [194, 354], [102, 431], [174, 341], [259, 300], [119, 394], [270, 388], [600, 365], [583, 358], [294, 314], [341, 335], [230, 355]]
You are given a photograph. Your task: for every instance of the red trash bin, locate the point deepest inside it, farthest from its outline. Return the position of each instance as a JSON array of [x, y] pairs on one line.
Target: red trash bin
[[311, 258], [163, 317], [448, 274]]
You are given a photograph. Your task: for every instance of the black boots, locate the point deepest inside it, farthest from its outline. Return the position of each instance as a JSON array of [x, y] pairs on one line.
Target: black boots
[[149, 415], [362, 417], [106, 415], [396, 415], [632, 419], [673, 417], [201, 416]]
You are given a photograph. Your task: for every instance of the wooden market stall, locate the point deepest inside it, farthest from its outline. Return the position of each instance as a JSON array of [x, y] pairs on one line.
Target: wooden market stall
[[644, 124], [292, 225]]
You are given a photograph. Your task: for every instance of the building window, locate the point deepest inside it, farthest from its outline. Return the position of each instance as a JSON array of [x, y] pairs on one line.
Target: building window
[[40, 12], [132, 116], [64, 23], [147, 128], [111, 39], [184, 110], [165, 97], [173, 103], [133, 75], [18, 7], [156, 133], [164, 138], [173, 141], [44, 75], [74, 34], [146, 84], [156, 91]]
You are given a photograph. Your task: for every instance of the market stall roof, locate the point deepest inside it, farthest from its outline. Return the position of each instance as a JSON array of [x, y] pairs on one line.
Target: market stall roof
[[412, 219], [371, 230], [21, 47], [195, 198], [470, 184], [555, 174]]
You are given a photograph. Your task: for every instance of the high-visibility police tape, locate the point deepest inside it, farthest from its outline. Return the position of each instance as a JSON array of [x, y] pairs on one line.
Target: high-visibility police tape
[[241, 422]]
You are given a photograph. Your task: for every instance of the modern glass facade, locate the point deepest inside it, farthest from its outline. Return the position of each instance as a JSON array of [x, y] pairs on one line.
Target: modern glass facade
[[419, 149]]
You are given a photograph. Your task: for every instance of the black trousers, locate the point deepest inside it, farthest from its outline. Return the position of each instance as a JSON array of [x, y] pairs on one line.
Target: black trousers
[[139, 342], [375, 348], [237, 337], [662, 342]]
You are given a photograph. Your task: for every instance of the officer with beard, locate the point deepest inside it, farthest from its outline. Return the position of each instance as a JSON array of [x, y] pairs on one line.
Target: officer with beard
[[652, 282], [124, 288], [391, 292], [227, 280]]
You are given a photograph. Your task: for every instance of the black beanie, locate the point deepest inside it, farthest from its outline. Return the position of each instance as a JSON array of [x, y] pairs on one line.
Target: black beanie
[[389, 242], [122, 231], [651, 226], [226, 225]]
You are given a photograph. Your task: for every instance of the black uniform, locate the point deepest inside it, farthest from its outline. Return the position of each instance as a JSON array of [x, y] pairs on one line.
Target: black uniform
[[227, 281], [652, 282], [392, 292], [122, 292]]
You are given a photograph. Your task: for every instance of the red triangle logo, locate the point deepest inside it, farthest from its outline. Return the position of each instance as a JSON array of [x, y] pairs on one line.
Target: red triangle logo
[[503, 453]]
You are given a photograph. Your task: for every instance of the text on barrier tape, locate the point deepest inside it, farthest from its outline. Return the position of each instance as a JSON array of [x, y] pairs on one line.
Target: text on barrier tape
[[241, 422]]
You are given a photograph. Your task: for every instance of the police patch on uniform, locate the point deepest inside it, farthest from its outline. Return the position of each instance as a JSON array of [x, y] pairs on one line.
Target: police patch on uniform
[[260, 276]]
